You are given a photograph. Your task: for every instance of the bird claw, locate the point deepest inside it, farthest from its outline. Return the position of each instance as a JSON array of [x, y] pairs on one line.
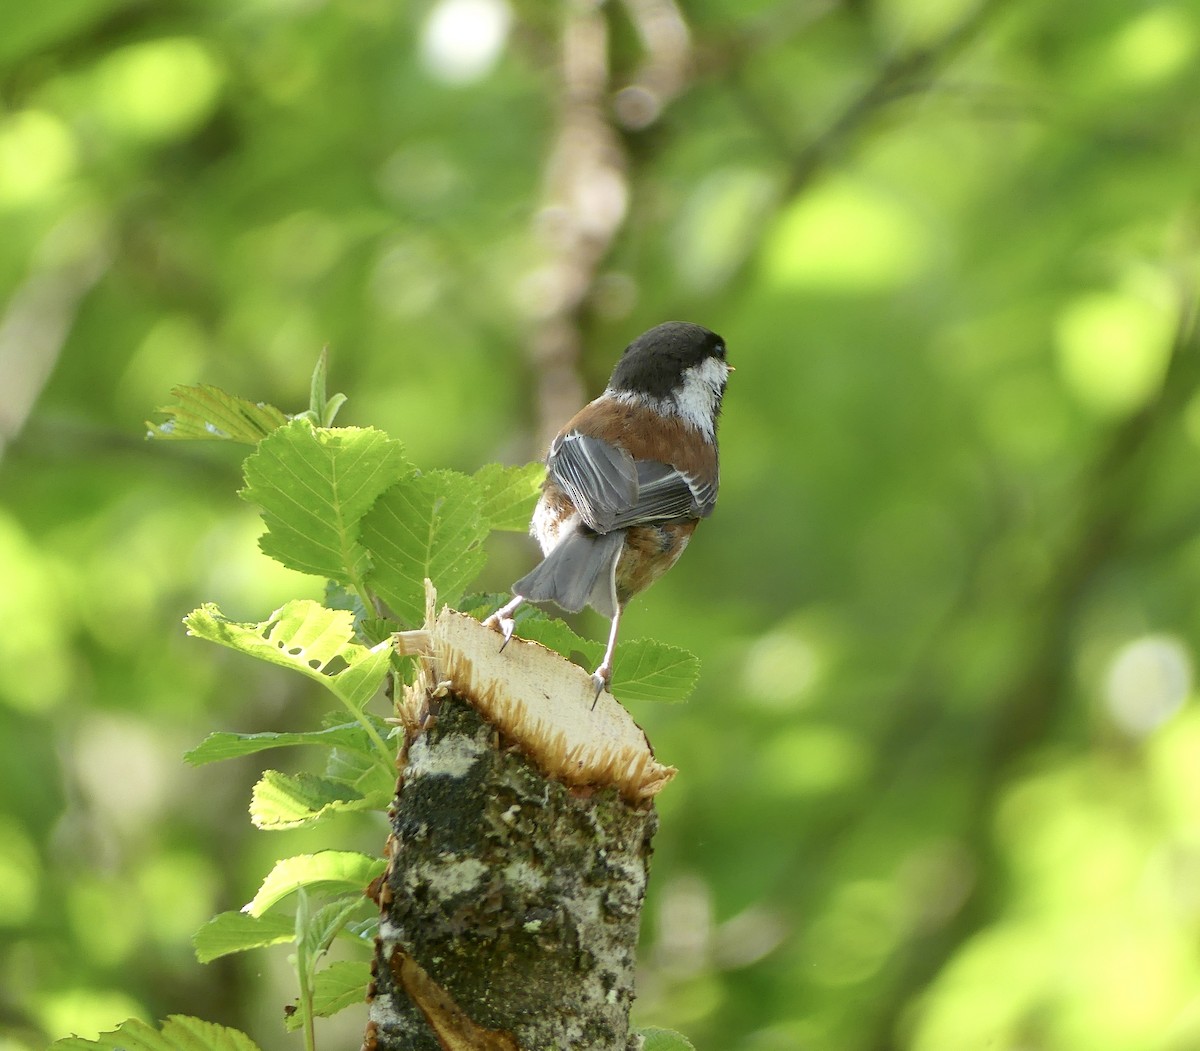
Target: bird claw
[[601, 677], [502, 624]]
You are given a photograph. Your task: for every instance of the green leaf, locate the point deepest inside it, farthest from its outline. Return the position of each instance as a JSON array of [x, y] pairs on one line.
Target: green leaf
[[480, 604], [218, 746], [282, 801], [338, 986], [230, 932], [327, 870], [665, 1040], [207, 413], [509, 493], [322, 410], [331, 919], [356, 766], [647, 670], [304, 636], [178, 1033], [558, 636], [430, 526], [644, 669], [314, 486], [357, 684]]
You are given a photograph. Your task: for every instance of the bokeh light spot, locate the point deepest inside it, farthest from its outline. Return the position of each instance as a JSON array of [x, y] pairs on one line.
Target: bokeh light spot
[[85, 1012], [160, 89], [35, 672], [106, 918], [1147, 682], [811, 760], [710, 234], [1154, 46], [1113, 348], [19, 875], [462, 39], [850, 942], [781, 669], [37, 153], [845, 236]]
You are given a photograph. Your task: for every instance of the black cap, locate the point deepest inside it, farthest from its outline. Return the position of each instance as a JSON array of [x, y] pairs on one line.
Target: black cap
[[653, 363]]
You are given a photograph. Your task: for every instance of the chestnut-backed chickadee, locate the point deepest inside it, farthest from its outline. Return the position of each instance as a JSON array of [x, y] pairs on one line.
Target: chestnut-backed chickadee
[[629, 478]]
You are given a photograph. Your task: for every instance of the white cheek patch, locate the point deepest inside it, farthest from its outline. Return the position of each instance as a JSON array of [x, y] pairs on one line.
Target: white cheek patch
[[697, 400], [700, 394]]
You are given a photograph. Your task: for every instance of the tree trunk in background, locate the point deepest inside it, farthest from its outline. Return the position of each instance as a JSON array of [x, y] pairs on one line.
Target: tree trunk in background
[[518, 858]]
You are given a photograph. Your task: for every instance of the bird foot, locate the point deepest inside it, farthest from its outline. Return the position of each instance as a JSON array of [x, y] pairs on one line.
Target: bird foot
[[601, 677], [503, 624]]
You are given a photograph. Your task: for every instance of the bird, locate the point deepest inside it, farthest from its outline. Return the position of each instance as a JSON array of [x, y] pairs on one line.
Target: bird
[[628, 479]]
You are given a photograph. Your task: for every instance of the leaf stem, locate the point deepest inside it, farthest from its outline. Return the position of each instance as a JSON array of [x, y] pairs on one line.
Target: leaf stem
[[304, 969], [386, 754]]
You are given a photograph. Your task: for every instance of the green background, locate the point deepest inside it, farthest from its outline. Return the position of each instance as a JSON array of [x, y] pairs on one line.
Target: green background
[[940, 783]]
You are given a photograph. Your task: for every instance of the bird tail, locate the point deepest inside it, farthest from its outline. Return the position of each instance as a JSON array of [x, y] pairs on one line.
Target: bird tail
[[580, 571]]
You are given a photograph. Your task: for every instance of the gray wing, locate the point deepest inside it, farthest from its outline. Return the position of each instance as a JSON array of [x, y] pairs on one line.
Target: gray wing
[[600, 479], [666, 493], [611, 490]]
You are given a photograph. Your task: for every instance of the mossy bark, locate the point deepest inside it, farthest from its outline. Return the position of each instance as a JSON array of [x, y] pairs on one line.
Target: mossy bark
[[512, 901]]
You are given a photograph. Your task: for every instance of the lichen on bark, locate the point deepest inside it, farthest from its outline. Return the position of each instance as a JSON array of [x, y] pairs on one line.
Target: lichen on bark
[[512, 900]]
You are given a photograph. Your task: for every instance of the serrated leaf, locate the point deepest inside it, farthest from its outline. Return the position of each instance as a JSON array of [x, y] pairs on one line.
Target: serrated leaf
[[218, 746], [558, 636], [509, 493], [644, 669], [282, 801], [178, 1033], [314, 485], [338, 986], [208, 413], [648, 670], [430, 525], [230, 932], [665, 1040], [331, 871], [357, 684], [358, 768], [303, 636], [331, 918], [480, 604]]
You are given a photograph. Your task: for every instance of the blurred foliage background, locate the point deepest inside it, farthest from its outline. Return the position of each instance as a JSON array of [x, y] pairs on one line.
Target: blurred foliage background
[[940, 785]]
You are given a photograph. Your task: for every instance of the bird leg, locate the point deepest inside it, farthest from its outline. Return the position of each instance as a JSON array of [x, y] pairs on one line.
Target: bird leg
[[602, 676], [502, 620]]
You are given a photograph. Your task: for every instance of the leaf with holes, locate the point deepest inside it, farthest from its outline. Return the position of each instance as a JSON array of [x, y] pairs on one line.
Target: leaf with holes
[[304, 636]]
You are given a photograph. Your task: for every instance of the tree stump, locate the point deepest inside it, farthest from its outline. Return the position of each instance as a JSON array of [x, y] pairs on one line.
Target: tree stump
[[518, 856]]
